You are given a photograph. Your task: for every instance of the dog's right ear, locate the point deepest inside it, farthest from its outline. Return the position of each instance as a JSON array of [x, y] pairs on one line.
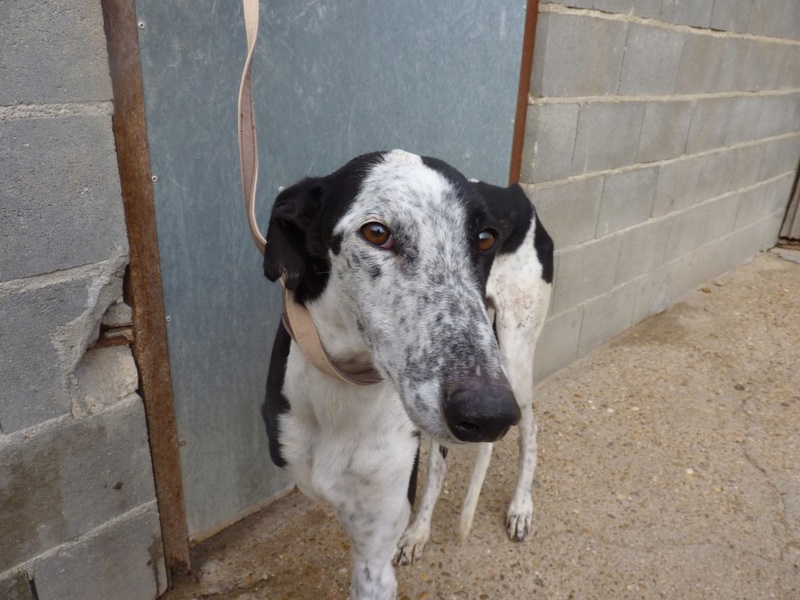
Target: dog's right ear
[[294, 218]]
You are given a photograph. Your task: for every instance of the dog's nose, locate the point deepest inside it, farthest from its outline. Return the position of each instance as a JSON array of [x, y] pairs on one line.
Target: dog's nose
[[481, 414]]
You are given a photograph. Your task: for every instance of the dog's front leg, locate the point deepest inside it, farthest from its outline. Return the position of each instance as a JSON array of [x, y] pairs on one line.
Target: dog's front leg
[[518, 324], [520, 370], [373, 579], [374, 517], [366, 484], [520, 511], [411, 545]]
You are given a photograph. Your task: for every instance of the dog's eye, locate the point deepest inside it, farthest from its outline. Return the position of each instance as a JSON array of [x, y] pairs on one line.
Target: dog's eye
[[486, 240], [378, 234]]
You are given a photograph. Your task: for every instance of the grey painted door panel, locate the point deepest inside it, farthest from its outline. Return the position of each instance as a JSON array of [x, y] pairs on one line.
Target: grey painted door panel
[[332, 80]]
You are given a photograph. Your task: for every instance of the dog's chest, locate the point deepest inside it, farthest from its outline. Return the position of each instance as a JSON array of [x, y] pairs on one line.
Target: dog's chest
[[337, 436]]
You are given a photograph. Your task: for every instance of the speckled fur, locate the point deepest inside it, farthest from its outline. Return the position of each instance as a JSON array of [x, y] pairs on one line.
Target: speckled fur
[[422, 318], [521, 297], [418, 315]]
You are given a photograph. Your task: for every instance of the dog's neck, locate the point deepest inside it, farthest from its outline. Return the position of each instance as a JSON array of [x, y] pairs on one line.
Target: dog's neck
[[338, 331]]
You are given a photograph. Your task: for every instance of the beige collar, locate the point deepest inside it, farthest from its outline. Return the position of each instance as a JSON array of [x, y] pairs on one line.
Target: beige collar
[[300, 325]]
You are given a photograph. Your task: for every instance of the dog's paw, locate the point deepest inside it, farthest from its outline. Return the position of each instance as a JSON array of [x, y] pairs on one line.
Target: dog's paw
[[410, 547], [519, 519]]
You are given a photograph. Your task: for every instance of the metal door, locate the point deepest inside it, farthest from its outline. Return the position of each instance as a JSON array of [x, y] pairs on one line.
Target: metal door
[[332, 79]]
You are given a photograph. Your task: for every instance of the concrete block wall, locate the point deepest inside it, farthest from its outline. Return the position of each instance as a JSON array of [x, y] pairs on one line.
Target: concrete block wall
[[78, 515], [662, 145]]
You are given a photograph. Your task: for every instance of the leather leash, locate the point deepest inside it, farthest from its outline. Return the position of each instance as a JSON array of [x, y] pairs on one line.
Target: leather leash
[[296, 318]]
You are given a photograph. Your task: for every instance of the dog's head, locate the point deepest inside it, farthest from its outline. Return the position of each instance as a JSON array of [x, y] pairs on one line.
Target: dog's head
[[400, 247]]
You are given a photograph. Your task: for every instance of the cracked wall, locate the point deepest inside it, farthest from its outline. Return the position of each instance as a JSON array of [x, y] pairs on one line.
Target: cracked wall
[[78, 515]]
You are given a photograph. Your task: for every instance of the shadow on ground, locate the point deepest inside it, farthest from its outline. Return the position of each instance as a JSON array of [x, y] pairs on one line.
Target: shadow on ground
[[669, 467]]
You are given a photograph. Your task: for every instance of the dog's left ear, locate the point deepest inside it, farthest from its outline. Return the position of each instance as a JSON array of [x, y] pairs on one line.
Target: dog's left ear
[[514, 214], [290, 237]]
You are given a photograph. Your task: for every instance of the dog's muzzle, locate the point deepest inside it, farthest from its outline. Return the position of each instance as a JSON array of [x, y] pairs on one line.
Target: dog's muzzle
[[481, 411]]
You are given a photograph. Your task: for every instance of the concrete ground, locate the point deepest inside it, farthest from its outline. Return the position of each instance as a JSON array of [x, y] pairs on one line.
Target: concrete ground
[[669, 467]]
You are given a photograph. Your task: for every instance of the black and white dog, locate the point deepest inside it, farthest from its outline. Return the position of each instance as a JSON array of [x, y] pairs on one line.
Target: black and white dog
[[397, 257]]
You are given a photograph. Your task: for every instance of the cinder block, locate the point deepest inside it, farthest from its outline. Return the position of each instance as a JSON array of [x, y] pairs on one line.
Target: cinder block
[[732, 71], [751, 66], [16, 587], [721, 216], [796, 119], [686, 232], [775, 19], [652, 296], [709, 127], [689, 272], [569, 210], [715, 175], [703, 260], [696, 13], [735, 249], [772, 229], [558, 343], [627, 199], [731, 15], [752, 207], [677, 185], [103, 377], [62, 482], [780, 156], [664, 131], [764, 66], [761, 13], [124, 561], [550, 132], [608, 136], [652, 57], [748, 165], [782, 55], [777, 194], [606, 316], [698, 70], [622, 7], [62, 206], [52, 52], [791, 23], [642, 250], [585, 272], [46, 326], [779, 115], [743, 123], [755, 237], [647, 9], [577, 55], [790, 77], [686, 274], [556, 263]]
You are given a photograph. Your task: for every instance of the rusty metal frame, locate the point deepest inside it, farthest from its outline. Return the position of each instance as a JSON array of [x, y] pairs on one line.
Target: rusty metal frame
[[143, 286], [526, 64]]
